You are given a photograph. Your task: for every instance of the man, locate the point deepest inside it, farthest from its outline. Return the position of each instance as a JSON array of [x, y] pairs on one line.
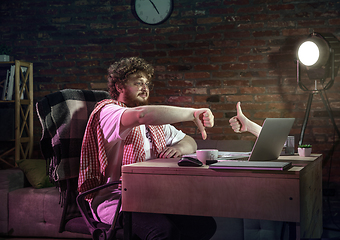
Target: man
[[124, 130], [241, 123]]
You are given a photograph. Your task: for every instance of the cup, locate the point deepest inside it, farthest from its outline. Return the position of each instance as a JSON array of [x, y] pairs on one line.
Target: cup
[[290, 145], [206, 154]]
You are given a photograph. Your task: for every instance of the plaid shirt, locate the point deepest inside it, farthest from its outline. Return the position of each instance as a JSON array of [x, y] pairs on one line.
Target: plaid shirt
[[93, 160]]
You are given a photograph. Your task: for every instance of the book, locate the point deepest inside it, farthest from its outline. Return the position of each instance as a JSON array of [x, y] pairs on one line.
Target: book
[[5, 88], [11, 84]]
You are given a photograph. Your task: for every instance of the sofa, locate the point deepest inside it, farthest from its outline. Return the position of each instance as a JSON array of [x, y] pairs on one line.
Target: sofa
[[31, 207]]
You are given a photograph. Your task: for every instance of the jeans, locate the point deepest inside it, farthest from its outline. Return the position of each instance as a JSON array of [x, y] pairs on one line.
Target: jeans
[[152, 226]]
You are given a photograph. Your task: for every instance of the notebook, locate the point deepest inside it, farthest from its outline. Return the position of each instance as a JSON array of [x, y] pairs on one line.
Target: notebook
[[267, 147]]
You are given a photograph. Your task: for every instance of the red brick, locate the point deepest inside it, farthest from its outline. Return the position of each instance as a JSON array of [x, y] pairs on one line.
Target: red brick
[[252, 90], [250, 58], [76, 56], [209, 20], [258, 25], [63, 64], [223, 74], [221, 11], [196, 75], [49, 71], [295, 32], [255, 42], [186, 21], [209, 52], [250, 9], [209, 36], [139, 31], [91, 78], [168, 92], [76, 85], [206, 67], [61, 79], [236, 98], [173, 53], [225, 43], [89, 48], [334, 21], [153, 54], [268, 98], [227, 90], [201, 91], [280, 7], [180, 37], [239, 82], [180, 83], [88, 63], [208, 83], [234, 66], [179, 99], [266, 17], [223, 59]]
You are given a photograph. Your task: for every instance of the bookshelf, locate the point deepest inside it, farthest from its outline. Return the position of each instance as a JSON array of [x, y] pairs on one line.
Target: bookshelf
[[21, 105]]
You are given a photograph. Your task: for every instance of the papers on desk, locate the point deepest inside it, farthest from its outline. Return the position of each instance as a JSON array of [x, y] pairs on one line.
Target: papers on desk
[[223, 155], [232, 160], [232, 155]]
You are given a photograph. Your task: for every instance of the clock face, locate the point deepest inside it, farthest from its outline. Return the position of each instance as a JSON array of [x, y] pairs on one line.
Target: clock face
[[152, 11]]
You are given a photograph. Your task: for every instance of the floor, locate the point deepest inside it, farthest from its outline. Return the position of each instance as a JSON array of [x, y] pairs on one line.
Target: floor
[[331, 219], [331, 216]]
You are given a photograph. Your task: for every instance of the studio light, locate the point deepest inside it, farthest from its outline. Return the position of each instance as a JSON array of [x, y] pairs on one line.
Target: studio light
[[320, 54]]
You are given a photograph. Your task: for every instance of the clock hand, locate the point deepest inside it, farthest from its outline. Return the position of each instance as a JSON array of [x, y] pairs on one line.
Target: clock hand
[[154, 6]]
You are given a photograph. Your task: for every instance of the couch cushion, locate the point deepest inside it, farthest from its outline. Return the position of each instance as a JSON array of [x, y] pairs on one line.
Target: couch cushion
[[35, 171], [36, 213], [10, 180]]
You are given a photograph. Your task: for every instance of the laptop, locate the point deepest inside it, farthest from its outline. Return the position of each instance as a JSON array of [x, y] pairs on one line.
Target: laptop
[[268, 147]]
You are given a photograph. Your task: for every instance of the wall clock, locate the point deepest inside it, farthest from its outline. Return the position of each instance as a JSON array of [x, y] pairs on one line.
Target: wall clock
[[152, 12]]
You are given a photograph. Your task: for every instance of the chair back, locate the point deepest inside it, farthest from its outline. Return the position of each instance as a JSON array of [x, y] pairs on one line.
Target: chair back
[[63, 116]]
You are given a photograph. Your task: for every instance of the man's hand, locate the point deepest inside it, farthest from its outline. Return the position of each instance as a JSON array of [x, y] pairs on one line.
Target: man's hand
[[170, 152], [239, 122], [203, 118]]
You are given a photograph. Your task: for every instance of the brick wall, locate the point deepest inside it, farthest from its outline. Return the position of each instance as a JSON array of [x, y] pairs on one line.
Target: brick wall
[[210, 53]]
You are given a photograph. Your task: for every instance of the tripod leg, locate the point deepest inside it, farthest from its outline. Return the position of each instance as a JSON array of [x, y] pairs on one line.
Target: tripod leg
[[329, 111], [309, 104]]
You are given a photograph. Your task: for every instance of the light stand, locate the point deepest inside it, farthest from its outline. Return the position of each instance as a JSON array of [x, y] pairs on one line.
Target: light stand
[[329, 70]]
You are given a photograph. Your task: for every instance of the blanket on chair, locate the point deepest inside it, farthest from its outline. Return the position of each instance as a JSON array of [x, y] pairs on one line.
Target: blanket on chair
[[63, 116]]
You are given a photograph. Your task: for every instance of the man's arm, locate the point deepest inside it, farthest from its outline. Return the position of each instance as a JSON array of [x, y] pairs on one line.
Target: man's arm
[[186, 146], [160, 115]]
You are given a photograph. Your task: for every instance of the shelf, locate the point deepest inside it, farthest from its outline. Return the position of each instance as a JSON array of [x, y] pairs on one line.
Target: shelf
[[23, 111]]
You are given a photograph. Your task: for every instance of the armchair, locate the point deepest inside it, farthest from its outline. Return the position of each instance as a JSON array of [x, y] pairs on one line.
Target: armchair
[[63, 116]]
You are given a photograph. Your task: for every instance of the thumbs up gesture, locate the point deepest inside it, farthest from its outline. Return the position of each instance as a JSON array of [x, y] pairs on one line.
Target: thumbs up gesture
[[239, 122]]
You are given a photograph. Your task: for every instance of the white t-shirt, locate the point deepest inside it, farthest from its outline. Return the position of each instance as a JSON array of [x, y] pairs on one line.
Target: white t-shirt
[[104, 203]]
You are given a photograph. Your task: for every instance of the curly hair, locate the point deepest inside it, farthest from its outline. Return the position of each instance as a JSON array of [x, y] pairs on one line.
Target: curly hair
[[119, 71]]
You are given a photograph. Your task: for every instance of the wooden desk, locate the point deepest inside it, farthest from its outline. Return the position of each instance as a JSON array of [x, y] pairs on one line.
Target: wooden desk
[[295, 195]]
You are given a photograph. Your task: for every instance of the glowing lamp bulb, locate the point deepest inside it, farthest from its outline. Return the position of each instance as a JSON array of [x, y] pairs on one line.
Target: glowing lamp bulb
[[309, 53]]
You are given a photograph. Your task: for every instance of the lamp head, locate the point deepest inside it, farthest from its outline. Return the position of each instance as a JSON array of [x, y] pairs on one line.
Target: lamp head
[[316, 54]]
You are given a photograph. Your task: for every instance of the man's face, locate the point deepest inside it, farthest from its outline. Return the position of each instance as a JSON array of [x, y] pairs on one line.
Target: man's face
[[136, 90]]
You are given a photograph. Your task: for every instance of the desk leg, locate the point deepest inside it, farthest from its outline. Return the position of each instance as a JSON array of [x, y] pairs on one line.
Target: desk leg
[[294, 230], [127, 225]]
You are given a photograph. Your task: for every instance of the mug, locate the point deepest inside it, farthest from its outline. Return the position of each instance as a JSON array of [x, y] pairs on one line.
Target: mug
[[206, 154]]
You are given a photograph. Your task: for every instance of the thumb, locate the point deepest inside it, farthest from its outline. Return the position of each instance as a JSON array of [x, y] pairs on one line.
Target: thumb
[[238, 109], [199, 124]]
